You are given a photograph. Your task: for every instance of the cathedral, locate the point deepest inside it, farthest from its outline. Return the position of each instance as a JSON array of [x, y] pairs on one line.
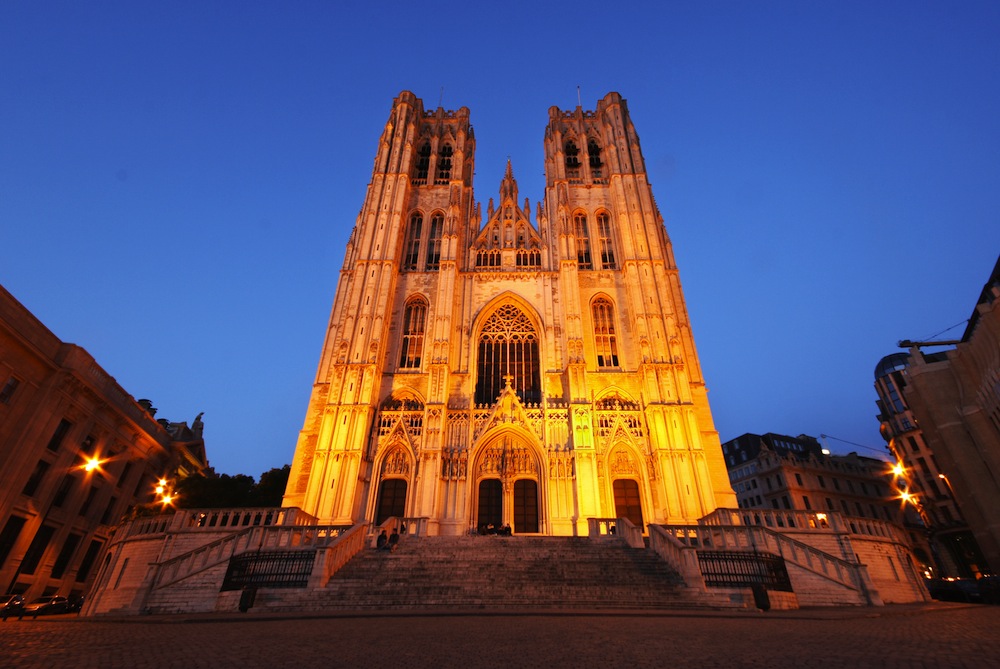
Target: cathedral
[[513, 367]]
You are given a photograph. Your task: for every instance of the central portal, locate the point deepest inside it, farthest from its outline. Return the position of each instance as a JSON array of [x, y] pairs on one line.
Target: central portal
[[508, 489]]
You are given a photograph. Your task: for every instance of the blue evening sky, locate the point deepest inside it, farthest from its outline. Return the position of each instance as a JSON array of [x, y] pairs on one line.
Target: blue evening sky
[[178, 180]]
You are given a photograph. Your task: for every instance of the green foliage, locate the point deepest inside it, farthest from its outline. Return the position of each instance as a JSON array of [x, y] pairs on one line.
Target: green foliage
[[214, 491]]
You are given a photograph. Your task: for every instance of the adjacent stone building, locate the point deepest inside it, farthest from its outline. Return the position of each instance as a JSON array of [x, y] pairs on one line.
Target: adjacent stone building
[[954, 396], [519, 366], [77, 452], [919, 476]]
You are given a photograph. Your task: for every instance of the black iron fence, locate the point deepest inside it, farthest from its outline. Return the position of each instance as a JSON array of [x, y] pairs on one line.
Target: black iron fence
[[732, 569], [270, 569]]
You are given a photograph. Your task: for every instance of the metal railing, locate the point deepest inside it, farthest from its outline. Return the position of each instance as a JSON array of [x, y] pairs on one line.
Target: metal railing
[[729, 569], [270, 569]]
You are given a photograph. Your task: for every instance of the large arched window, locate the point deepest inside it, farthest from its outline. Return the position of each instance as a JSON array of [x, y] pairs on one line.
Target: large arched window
[[411, 254], [414, 318], [434, 242], [605, 242], [605, 341], [423, 162], [508, 347], [444, 164], [582, 241]]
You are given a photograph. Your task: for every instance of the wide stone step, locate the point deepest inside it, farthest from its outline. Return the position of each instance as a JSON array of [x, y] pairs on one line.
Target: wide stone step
[[495, 572]]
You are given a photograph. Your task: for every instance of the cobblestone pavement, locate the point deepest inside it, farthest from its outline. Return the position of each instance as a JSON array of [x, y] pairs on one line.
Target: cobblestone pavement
[[936, 635]]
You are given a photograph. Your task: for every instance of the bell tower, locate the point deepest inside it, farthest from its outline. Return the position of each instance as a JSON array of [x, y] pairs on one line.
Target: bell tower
[[416, 216]]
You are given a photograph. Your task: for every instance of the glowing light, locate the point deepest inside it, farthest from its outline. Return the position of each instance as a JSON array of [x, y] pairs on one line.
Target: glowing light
[[92, 464], [159, 489], [898, 470], [821, 516], [907, 497], [168, 499]]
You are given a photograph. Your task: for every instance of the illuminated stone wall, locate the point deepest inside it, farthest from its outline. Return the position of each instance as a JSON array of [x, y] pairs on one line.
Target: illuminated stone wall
[[527, 366]]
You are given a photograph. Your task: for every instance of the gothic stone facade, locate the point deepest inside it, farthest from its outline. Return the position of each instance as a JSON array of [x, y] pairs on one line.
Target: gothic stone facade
[[504, 370]]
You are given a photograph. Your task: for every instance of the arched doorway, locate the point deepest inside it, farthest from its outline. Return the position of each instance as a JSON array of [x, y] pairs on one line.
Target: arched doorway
[[508, 489], [628, 502], [490, 511], [525, 506], [391, 500]]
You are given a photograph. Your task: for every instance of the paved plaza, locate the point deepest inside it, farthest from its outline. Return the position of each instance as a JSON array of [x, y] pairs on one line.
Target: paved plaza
[[934, 635]]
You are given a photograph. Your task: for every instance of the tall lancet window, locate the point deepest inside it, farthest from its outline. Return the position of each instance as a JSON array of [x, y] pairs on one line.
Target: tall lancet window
[[444, 165], [605, 241], [605, 341], [434, 242], [594, 151], [414, 318], [582, 242], [572, 155], [423, 163], [508, 349], [411, 253]]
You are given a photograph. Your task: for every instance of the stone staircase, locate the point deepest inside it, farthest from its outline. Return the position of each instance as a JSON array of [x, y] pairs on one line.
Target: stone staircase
[[487, 572]]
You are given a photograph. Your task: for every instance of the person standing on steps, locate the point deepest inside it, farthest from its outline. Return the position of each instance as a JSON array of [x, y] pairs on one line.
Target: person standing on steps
[[393, 540]]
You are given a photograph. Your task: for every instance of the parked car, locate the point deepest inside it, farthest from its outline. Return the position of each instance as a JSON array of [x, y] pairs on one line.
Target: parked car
[[45, 606], [74, 604], [989, 589], [11, 605], [954, 589]]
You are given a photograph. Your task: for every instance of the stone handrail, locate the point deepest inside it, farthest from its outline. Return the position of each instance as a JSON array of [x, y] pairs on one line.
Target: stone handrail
[[252, 538], [758, 537], [623, 527], [683, 558], [348, 544], [808, 521]]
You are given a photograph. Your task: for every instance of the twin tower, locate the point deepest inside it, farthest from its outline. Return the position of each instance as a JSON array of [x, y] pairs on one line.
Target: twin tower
[[503, 368]]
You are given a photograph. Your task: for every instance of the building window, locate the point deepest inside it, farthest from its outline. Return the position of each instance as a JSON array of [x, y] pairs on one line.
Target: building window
[[423, 163], [65, 555], [36, 478], [59, 435], [414, 319], [107, 517], [8, 390], [64, 488], [91, 494], [8, 537], [604, 241], [36, 550], [572, 157], [444, 165], [88, 561], [605, 341], [822, 482], [594, 152], [434, 242], [508, 351], [582, 241], [412, 249], [798, 478], [805, 500]]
